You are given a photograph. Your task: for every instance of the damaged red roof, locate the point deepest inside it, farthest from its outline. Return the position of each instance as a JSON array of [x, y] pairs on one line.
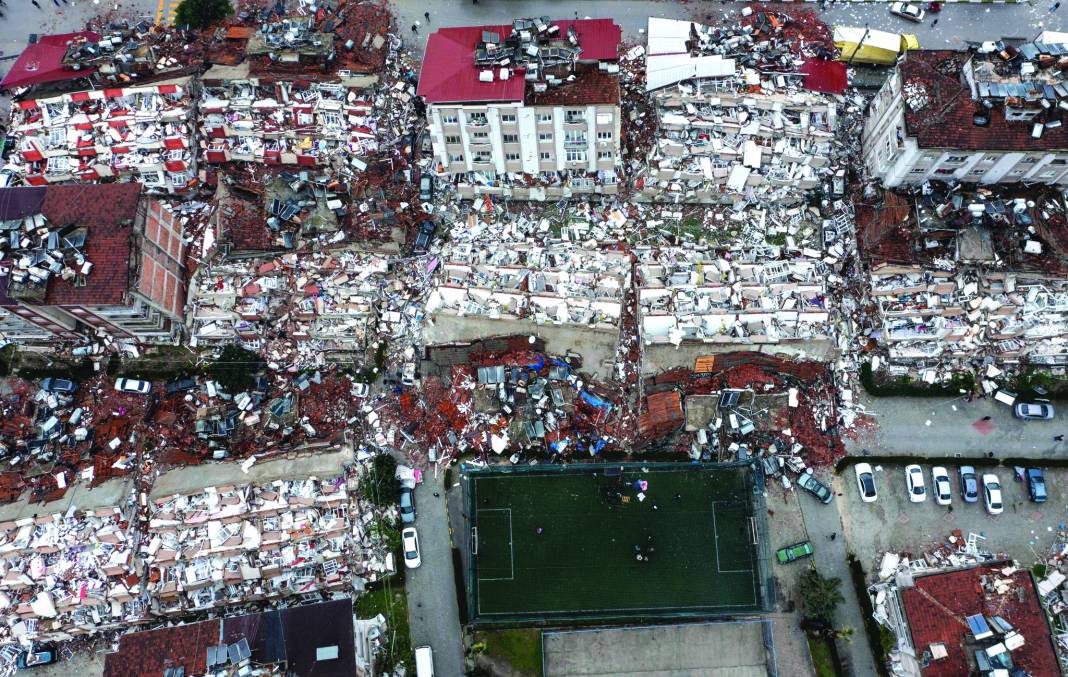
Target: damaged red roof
[[43, 61], [449, 74], [938, 605], [825, 76], [151, 652], [946, 120]]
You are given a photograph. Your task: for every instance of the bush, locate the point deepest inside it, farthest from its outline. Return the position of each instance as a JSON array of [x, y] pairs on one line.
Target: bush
[[906, 387], [236, 368], [381, 486], [820, 596], [199, 14]]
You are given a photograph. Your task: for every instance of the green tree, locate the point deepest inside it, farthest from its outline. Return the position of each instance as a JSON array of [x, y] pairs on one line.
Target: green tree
[[381, 486], [198, 14], [820, 596], [236, 368]]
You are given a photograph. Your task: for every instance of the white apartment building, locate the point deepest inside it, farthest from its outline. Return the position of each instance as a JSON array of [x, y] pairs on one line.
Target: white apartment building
[[530, 111], [977, 117]]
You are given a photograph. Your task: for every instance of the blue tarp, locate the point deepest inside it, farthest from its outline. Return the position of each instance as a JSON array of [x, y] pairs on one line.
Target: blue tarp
[[596, 401]]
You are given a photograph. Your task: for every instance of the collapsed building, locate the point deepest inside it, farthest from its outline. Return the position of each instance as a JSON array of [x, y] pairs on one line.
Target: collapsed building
[[90, 261], [962, 274], [988, 115], [736, 118], [527, 111]]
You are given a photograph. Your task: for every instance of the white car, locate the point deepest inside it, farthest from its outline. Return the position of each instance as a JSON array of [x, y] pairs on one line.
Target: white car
[[940, 485], [132, 385], [914, 482], [866, 482], [360, 390], [992, 494], [907, 10], [410, 542]]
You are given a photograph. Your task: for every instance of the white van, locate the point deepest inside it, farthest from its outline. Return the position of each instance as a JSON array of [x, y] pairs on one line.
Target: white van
[[424, 662]]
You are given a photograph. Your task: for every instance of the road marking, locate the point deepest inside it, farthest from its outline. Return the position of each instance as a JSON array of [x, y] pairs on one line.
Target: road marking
[[511, 547], [715, 539]]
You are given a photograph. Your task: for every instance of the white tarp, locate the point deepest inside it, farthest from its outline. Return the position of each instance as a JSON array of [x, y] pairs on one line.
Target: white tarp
[[667, 36], [667, 69]]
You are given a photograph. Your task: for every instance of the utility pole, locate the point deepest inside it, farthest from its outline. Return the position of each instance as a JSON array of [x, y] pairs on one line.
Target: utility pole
[[859, 45]]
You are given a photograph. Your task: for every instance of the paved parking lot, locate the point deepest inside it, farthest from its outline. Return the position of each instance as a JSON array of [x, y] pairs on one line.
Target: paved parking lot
[[1024, 531]]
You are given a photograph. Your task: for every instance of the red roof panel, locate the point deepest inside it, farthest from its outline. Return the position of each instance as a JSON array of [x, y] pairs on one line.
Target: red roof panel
[[43, 61], [825, 76], [449, 74]]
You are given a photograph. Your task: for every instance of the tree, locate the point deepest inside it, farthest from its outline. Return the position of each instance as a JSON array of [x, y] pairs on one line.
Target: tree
[[199, 14], [820, 596], [236, 368], [381, 486]]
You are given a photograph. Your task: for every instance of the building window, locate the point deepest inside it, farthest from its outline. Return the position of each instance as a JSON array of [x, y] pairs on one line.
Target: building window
[[507, 118], [546, 157], [605, 118], [604, 155], [511, 138], [452, 139], [476, 118], [449, 119], [576, 155], [604, 136], [1028, 161], [482, 157], [575, 136], [545, 117], [456, 158], [545, 136], [1018, 172], [918, 171], [574, 116], [480, 135], [944, 172], [956, 158], [511, 157]]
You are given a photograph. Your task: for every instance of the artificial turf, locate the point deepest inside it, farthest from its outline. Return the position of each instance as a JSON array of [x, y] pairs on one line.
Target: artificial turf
[[692, 529]]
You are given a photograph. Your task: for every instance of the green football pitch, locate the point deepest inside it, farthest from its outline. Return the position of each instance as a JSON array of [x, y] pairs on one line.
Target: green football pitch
[[581, 542]]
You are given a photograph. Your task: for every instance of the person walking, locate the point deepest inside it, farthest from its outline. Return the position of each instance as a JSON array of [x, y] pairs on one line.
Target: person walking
[[427, 15], [35, 4], [986, 418], [415, 29], [1055, 6]]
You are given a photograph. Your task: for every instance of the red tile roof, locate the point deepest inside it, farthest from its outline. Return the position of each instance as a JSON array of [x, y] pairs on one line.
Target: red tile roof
[[946, 120], [43, 62], [109, 211], [148, 654], [938, 605], [449, 74], [591, 86]]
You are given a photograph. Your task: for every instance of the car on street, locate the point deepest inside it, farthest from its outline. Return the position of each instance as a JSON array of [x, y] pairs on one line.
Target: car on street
[[132, 385], [992, 494], [969, 484], [792, 553], [940, 485], [182, 385], [866, 482], [64, 386], [1036, 485], [907, 10], [809, 483], [410, 545], [426, 188], [914, 482], [36, 658], [407, 505], [1033, 411]]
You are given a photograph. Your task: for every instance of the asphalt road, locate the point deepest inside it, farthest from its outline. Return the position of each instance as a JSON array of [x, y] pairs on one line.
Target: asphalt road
[[946, 427], [432, 608]]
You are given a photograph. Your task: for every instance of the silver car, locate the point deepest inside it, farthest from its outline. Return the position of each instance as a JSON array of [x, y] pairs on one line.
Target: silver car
[[1033, 411]]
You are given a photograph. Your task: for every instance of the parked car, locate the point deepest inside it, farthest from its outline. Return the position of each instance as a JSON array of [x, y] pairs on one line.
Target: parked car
[[809, 483], [407, 505], [64, 386], [1036, 485], [941, 486], [425, 236], [426, 188], [794, 552], [1033, 411], [36, 658], [907, 10], [180, 386], [360, 390], [992, 494], [969, 484], [410, 543], [914, 482], [866, 482], [132, 385]]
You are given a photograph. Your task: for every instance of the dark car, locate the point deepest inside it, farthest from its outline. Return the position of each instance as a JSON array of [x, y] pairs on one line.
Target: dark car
[[426, 187], [969, 484], [1036, 485], [407, 505], [59, 385], [425, 236], [33, 659], [809, 483], [180, 386]]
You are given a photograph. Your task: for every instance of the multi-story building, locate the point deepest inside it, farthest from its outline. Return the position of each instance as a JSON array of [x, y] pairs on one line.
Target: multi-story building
[[988, 116], [529, 111], [96, 259]]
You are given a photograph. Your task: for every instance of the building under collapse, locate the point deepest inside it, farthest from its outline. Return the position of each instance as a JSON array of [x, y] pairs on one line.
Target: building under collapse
[[730, 128], [528, 111]]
